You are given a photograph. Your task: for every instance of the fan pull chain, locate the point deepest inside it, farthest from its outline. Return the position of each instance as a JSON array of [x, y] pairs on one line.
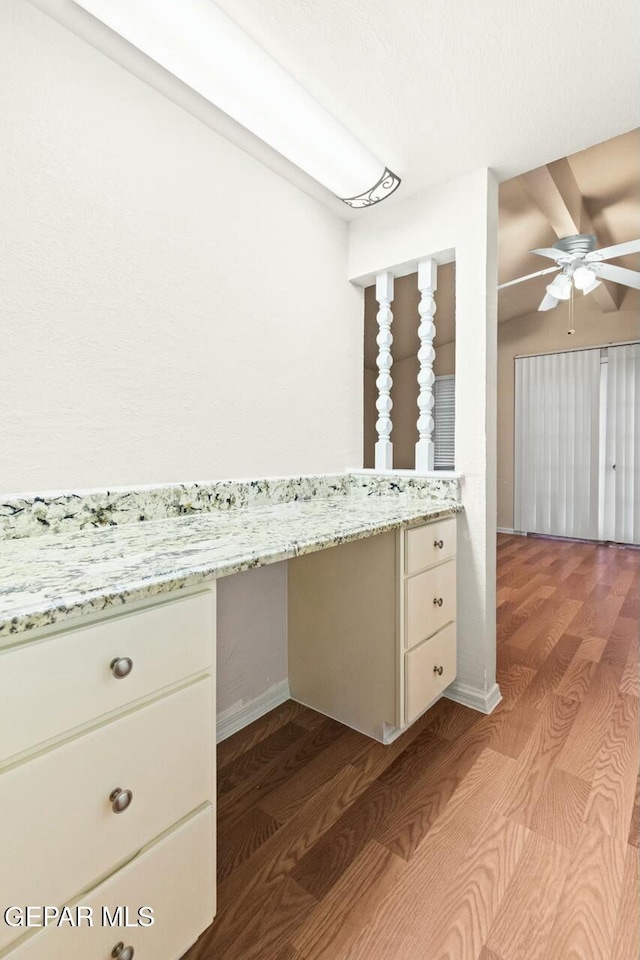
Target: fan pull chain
[[571, 326]]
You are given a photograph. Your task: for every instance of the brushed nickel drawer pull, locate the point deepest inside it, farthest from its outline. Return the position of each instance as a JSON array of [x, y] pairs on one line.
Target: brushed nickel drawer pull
[[438, 670], [122, 953], [438, 601], [120, 800], [439, 544], [121, 667]]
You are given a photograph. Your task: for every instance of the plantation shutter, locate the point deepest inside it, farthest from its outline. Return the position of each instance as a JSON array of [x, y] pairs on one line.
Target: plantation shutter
[[444, 419]]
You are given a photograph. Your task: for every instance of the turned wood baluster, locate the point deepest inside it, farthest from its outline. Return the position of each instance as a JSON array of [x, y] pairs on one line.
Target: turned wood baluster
[[427, 285], [384, 446]]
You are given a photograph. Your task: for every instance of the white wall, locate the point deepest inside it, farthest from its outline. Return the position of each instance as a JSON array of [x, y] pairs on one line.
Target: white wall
[[160, 303], [458, 221], [252, 621], [170, 308]]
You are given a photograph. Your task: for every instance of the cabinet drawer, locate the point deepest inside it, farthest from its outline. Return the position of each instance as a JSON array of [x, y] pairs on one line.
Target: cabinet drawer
[[175, 877], [423, 544], [430, 602], [429, 668], [50, 686], [58, 832]]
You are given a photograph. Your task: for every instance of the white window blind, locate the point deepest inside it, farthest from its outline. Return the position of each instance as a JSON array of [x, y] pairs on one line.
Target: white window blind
[[444, 422], [621, 461], [557, 459]]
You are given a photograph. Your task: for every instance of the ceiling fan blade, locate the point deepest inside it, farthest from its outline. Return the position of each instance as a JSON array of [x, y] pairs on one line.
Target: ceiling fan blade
[[529, 276], [617, 250], [548, 302], [550, 252], [630, 278]]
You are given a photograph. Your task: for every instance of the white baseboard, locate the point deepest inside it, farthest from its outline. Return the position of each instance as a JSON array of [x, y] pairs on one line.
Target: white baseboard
[[508, 530], [473, 697], [242, 714], [234, 718]]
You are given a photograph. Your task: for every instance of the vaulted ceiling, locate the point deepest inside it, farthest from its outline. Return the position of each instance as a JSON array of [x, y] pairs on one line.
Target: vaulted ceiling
[[597, 190], [594, 191]]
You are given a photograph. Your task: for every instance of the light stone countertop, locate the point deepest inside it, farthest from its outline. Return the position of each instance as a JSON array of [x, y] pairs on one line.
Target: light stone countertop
[[57, 577]]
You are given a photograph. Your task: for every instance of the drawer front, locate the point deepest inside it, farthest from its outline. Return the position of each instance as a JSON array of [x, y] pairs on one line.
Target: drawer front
[[53, 685], [429, 544], [175, 877], [58, 831], [429, 668], [430, 602]]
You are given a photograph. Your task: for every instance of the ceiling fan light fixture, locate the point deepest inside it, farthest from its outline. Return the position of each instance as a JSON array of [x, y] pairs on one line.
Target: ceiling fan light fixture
[[560, 287], [592, 286], [582, 267], [584, 278]]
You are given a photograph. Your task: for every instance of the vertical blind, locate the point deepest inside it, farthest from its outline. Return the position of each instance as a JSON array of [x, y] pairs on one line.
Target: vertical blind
[[444, 422], [557, 412], [621, 502]]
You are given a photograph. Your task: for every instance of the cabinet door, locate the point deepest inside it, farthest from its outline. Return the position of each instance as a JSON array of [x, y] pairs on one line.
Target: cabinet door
[[429, 544], [50, 686], [430, 602], [59, 832], [429, 668], [175, 877], [342, 651]]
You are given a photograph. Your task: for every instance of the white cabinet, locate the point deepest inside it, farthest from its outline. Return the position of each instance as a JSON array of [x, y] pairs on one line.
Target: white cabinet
[[361, 618], [429, 601], [122, 760], [429, 669], [429, 544], [107, 733], [55, 684], [174, 876]]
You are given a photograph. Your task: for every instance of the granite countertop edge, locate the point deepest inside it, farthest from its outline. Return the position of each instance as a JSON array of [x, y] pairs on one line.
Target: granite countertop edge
[[23, 616]]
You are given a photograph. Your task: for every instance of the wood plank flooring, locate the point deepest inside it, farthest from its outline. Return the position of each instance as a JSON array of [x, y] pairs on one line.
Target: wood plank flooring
[[512, 836]]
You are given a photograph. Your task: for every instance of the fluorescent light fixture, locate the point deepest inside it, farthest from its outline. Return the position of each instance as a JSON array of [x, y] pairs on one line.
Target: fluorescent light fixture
[[560, 287], [196, 42]]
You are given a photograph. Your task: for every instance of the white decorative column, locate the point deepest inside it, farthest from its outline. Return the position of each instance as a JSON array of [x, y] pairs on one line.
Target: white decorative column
[[384, 446], [427, 285]]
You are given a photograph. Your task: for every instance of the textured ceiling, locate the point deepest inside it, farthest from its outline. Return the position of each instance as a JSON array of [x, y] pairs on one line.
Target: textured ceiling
[[436, 88]]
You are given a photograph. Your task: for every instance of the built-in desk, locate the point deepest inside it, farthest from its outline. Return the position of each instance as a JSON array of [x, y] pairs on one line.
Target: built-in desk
[[371, 627], [107, 684]]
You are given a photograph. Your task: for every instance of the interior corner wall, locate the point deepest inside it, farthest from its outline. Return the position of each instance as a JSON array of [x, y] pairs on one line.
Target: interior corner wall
[[158, 295], [545, 333], [458, 216]]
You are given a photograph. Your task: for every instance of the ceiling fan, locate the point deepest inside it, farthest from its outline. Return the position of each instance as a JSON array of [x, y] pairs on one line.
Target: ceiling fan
[[581, 266]]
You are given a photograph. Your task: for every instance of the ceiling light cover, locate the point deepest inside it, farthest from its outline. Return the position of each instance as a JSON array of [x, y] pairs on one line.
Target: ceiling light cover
[[583, 277], [196, 42], [560, 288], [548, 302], [592, 286]]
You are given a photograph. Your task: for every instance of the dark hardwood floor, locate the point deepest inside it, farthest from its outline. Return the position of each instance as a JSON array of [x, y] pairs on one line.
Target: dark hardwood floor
[[505, 837]]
